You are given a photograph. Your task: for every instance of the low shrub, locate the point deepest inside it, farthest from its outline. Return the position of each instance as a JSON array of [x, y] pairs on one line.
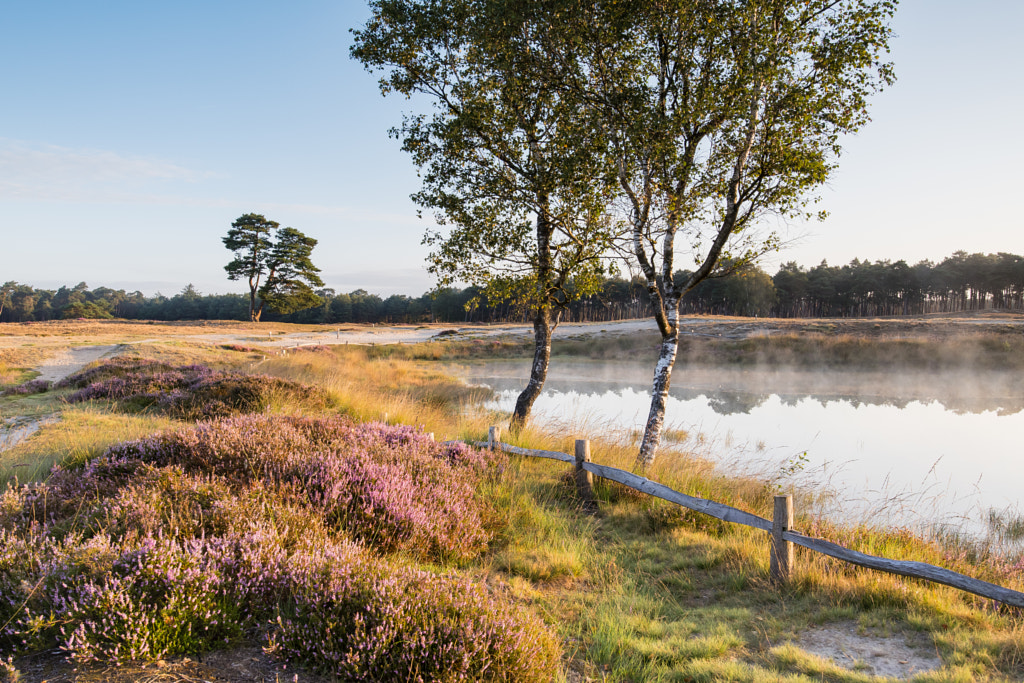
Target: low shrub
[[240, 348], [223, 394], [272, 526], [119, 366], [332, 605], [189, 391], [365, 621], [35, 386], [393, 487], [313, 348]]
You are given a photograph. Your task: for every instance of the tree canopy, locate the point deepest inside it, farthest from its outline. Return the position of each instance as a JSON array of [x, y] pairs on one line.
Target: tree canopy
[[276, 264], [961, 282], [515, 174], [719, 114]]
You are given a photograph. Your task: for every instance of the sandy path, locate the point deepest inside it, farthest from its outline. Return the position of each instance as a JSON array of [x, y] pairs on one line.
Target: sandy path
[[387, 334], [72, 360], [14, 430]]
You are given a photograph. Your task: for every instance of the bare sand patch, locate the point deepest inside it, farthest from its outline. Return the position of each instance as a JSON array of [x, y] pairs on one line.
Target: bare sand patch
[[895, 656], [72, 360]]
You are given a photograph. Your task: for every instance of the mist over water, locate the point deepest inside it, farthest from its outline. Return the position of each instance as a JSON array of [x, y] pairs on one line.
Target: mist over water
[[911, 448]]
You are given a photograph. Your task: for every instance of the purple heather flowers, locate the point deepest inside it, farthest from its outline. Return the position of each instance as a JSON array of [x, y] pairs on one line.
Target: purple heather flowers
[[303, 532], [191, 391]]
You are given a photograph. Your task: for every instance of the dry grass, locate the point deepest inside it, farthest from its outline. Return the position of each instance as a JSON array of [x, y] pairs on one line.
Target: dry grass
[[368, 388], [16, 364], [129, 329], [175, 352], [80, 434]]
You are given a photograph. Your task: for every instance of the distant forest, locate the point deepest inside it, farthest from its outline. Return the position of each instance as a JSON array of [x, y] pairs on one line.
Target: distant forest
[[962, 282]]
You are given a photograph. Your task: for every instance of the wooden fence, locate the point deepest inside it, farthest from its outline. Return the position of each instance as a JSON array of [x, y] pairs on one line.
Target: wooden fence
[[782, 536]]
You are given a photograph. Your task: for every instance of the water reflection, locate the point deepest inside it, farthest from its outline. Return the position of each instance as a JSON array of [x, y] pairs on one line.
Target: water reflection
[[731, 391], [921, 446]]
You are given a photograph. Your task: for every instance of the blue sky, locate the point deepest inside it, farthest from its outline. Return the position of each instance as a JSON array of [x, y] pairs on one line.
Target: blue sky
[[132, 134]]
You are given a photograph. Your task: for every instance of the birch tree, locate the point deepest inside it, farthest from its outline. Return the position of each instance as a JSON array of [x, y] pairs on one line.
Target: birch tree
[[721, 113], [512, 168]]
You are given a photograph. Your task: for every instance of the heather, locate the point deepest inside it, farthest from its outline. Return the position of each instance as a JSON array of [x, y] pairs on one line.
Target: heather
[[188, 391], [390, 486], [283, 529], [34, 386]]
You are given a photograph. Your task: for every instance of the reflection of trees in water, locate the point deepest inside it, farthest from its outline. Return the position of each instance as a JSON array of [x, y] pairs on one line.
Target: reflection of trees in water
[[960, 405], [723, 401], [728, 401], [731, 403]]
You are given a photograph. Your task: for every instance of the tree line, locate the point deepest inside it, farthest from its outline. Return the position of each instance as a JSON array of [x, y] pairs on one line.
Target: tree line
[[961, 282]]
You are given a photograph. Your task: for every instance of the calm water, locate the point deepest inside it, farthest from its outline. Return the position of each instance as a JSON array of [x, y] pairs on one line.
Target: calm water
[[906, 447]]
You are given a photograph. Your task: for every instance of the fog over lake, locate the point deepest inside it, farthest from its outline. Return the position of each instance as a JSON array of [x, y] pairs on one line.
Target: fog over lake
[[905, 447]]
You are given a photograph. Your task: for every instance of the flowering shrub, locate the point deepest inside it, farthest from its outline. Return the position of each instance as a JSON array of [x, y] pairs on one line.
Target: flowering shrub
[[219, 395], [143, 384], [272, 526], [392, 487], [314, 348], [363, 621], [113, 367], [34, 386], [191, 391], [8, 672]]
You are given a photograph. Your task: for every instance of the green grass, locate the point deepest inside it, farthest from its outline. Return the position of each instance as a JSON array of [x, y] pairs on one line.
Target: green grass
[[640, 599]]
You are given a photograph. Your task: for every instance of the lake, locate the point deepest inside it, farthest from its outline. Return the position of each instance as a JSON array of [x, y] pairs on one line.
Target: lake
[[910, 447]]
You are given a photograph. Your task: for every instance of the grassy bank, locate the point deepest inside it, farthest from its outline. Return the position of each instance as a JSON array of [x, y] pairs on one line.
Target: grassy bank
[[641, 591], [816, 347]]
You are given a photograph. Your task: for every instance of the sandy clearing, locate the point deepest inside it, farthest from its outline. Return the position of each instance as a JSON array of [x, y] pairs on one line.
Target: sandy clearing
[[72, 360], [387, 334], [396, 335], [55, 334]]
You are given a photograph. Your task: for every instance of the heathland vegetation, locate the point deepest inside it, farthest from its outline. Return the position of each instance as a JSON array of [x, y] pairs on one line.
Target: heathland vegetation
[[302, 513]]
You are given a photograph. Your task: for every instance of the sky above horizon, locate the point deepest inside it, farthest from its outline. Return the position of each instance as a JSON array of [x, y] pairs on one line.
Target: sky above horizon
[[133, 134]]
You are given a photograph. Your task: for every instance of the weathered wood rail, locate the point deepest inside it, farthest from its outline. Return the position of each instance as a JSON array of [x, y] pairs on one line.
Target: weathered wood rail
[[782, 536]]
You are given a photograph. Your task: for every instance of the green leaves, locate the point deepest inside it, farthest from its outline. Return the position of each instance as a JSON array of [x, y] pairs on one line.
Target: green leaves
[[284, 262], [249, 238], [515, 175]]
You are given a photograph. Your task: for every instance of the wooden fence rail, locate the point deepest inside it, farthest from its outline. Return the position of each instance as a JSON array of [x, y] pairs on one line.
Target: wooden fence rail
[[780, 527]]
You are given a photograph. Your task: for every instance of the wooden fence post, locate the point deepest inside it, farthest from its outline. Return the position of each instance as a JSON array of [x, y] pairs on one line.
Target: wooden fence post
[[782, 557], [493, 437], [584, 479]]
